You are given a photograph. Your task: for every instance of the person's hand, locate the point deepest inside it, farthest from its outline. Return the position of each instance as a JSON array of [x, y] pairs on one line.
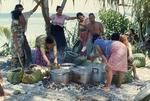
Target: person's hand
[[91, 58], [48, 64], [130, 58]]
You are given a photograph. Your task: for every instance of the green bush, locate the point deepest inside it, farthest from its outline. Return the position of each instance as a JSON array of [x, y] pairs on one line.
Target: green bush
[[113, 21]]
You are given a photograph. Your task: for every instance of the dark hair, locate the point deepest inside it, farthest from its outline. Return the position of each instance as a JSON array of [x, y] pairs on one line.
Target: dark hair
[[91, 14], [132, 31], [79, 14], [95, 36], [49, 40], [115, 36], [58, 8], [18, 6], [15, 14]]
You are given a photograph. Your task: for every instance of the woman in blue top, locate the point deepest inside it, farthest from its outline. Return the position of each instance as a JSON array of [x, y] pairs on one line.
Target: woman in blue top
[[113, 55]]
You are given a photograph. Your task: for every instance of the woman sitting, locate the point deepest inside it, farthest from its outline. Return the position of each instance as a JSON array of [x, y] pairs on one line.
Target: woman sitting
[[114, 56], [43, 46]]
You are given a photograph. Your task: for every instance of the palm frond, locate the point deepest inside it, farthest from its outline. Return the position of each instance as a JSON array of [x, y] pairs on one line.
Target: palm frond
[[5, 32], [73, 2], [51, 2], [85, 2], [19, 1], [36, 1]]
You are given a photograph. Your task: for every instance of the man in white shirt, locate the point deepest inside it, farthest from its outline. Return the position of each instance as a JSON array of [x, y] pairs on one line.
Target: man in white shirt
[[26, 47]]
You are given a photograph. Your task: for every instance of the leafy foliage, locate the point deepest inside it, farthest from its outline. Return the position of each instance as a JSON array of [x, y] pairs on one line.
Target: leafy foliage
[[113, 21], [141, 10], [71, 35], [5, 48]]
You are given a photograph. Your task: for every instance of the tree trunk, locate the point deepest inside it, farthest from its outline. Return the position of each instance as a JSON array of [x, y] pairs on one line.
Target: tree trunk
[[141, 31], [148, 28], [63, 3], [45, 13]]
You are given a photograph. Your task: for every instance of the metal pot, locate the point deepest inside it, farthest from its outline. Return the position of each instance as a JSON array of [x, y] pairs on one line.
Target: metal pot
[[67, 65], [61, 75], [81, 74], [98, 73]]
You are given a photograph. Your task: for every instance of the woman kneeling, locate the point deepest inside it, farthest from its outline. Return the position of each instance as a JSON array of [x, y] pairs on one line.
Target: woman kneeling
[[43, 46]]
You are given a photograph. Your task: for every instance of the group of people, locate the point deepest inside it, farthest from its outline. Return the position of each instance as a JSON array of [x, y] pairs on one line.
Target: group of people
[[115, 53], [21, 52]]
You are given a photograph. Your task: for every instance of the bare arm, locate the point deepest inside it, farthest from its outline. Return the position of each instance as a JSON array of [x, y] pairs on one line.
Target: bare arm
[[44, 56], [71, 18], [100, 54], [101, 28], [129, 48], [35, 8]]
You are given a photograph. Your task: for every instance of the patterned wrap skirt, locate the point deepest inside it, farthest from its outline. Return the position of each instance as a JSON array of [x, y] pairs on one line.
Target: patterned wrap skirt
[[118, 57], [19, 31], [39, 58]]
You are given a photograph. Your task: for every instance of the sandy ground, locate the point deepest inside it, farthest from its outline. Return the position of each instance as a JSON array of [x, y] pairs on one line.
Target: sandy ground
[[72, 92]]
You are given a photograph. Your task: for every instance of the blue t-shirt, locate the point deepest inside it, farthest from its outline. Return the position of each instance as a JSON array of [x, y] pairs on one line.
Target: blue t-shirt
[[105, 45]]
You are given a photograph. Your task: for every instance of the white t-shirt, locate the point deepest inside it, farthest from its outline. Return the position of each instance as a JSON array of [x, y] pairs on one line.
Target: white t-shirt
[[27, 16]]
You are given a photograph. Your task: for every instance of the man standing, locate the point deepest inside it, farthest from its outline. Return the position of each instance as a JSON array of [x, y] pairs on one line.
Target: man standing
[[93, 27], [23, 21]]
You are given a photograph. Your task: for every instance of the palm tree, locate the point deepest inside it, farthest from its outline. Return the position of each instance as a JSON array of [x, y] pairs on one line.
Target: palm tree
[[45, 8]]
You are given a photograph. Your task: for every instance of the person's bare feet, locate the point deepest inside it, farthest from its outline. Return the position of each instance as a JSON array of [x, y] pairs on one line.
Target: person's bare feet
[[135, 77], [106, 89], [7, 94]]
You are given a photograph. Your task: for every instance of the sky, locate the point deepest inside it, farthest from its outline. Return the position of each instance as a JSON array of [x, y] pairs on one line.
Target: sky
[[91, 6]]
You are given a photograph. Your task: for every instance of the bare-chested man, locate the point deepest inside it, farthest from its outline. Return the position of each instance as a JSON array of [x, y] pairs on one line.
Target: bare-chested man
[[94, 27]]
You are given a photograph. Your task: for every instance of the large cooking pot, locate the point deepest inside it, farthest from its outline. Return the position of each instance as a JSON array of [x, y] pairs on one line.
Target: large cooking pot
[[61, 75], [81, 74], [98, 73], [67, 65]]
